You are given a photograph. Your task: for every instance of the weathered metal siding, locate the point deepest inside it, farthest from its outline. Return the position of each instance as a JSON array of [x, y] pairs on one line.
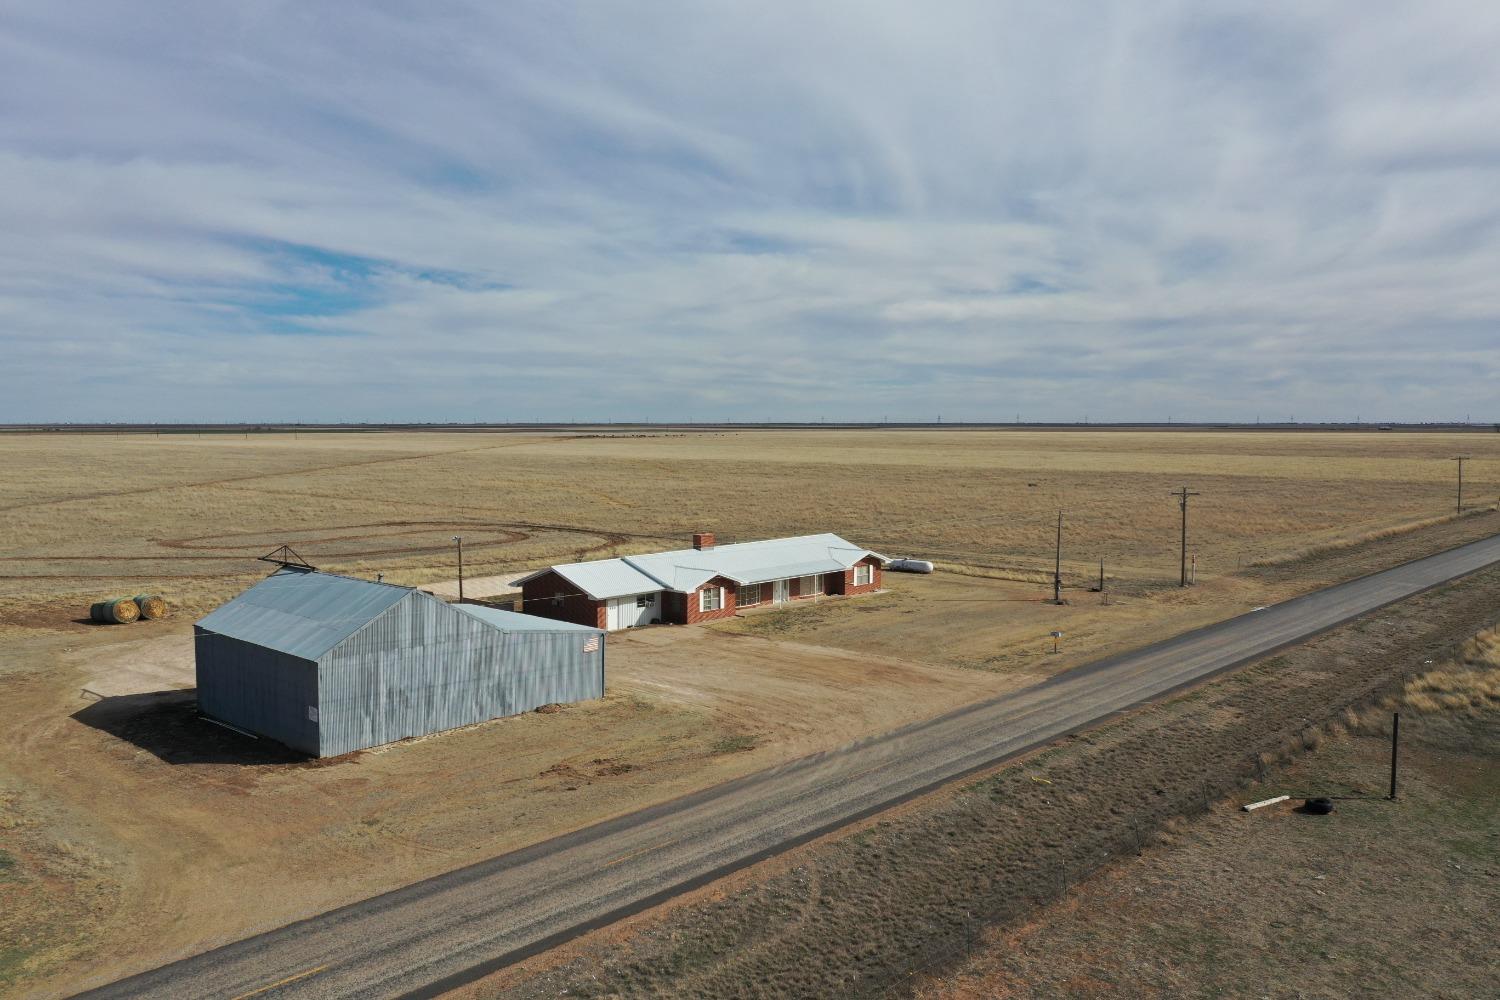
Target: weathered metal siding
[[423, 667], [257, 689]]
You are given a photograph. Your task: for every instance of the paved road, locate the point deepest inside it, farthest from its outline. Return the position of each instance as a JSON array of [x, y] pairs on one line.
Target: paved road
[[434, 935]]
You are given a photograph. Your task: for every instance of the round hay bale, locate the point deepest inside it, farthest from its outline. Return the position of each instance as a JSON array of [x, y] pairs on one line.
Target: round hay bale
[[152, 606], [115, 611]]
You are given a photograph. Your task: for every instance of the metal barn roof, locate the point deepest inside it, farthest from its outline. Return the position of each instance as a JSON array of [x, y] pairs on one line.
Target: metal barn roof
[[686, 570], [302, 613], [510, 621]]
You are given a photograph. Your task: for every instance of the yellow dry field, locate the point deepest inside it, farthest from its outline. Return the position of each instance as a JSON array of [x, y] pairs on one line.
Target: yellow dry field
[[87, 516], [132, 832]]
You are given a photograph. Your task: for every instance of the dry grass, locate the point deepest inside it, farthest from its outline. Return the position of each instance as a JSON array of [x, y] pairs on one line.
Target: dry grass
[[1469, 684], [1283, 905], [1373, 535], [185, 515], [878, 911]]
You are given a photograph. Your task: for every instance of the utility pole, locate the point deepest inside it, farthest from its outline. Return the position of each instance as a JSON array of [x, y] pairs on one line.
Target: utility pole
[[1461, 459], [459, 540], [1395, 736], [1057, 565], [1183, 494]]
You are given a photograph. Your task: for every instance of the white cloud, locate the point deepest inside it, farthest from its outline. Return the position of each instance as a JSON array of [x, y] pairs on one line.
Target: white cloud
[[849, 210]]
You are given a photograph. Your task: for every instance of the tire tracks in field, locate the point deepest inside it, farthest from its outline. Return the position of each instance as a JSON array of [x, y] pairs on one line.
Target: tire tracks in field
[[141, 490], [221, 553], [517, 531], [470, 508]]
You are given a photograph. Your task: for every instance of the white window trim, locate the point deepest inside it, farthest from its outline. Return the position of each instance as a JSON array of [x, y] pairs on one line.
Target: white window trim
[[760, 595], [718, 593], [869, 573]]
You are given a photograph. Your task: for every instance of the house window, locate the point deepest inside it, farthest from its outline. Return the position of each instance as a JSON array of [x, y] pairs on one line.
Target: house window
[[809, 585], [557, 599], [864, 575], [749, 594], [645, 600], [710, 598]]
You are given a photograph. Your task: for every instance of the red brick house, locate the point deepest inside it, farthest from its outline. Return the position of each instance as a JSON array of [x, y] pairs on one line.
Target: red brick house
[[702, 583]]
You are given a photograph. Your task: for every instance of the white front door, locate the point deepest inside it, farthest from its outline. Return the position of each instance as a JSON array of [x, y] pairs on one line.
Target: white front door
[[778, 592]]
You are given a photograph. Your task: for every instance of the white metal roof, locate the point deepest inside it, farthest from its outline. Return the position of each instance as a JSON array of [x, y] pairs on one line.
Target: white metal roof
[[686, 570], [603, 578]]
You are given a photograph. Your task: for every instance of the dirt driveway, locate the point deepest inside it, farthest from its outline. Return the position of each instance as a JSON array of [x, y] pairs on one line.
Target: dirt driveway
[[141, 833]]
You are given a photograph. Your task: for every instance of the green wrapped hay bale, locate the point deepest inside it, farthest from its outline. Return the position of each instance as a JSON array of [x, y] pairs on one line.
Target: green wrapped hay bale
[[115, 611], [152, 606]]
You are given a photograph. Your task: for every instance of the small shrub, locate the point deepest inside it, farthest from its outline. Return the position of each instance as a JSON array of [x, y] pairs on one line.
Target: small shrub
[[738, 743]]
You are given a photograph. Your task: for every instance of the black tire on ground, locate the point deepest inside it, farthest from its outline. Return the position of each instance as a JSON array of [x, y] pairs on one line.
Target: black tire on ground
[[1318, 807]]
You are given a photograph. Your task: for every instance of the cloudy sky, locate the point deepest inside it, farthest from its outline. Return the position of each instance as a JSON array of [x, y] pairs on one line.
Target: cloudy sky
[[842, 210]]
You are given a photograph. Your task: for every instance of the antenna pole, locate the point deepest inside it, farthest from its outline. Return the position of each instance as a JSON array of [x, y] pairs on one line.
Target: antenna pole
[[286, 558]]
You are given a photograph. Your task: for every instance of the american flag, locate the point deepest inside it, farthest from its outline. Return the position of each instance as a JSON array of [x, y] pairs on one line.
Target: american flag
[[592, 646]]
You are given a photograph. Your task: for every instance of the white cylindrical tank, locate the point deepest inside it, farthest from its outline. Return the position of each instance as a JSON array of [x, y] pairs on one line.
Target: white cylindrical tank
[[910, 566]]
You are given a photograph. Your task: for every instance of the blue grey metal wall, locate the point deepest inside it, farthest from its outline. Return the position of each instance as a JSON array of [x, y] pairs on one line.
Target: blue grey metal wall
[[422, 667], [257, 689]]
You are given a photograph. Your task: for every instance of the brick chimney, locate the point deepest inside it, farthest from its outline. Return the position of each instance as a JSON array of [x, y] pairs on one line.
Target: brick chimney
[[703, 540]]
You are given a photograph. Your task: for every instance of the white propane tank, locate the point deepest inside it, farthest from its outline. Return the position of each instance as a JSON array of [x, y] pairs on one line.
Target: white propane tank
[[911, 566]]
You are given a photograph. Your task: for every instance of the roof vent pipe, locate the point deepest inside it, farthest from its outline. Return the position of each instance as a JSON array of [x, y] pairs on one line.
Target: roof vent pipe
[[703, 540]]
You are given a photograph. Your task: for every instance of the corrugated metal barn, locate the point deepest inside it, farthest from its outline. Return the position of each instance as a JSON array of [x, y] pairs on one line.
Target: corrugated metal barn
[[328, 664]]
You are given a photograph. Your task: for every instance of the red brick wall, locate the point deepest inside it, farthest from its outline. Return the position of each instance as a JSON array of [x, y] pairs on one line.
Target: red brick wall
[[693, 615], [846, 584], [537, 598], [580, 609]]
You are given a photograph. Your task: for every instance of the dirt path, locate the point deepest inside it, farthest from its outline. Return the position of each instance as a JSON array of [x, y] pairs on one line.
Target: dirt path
[[478, 586]]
